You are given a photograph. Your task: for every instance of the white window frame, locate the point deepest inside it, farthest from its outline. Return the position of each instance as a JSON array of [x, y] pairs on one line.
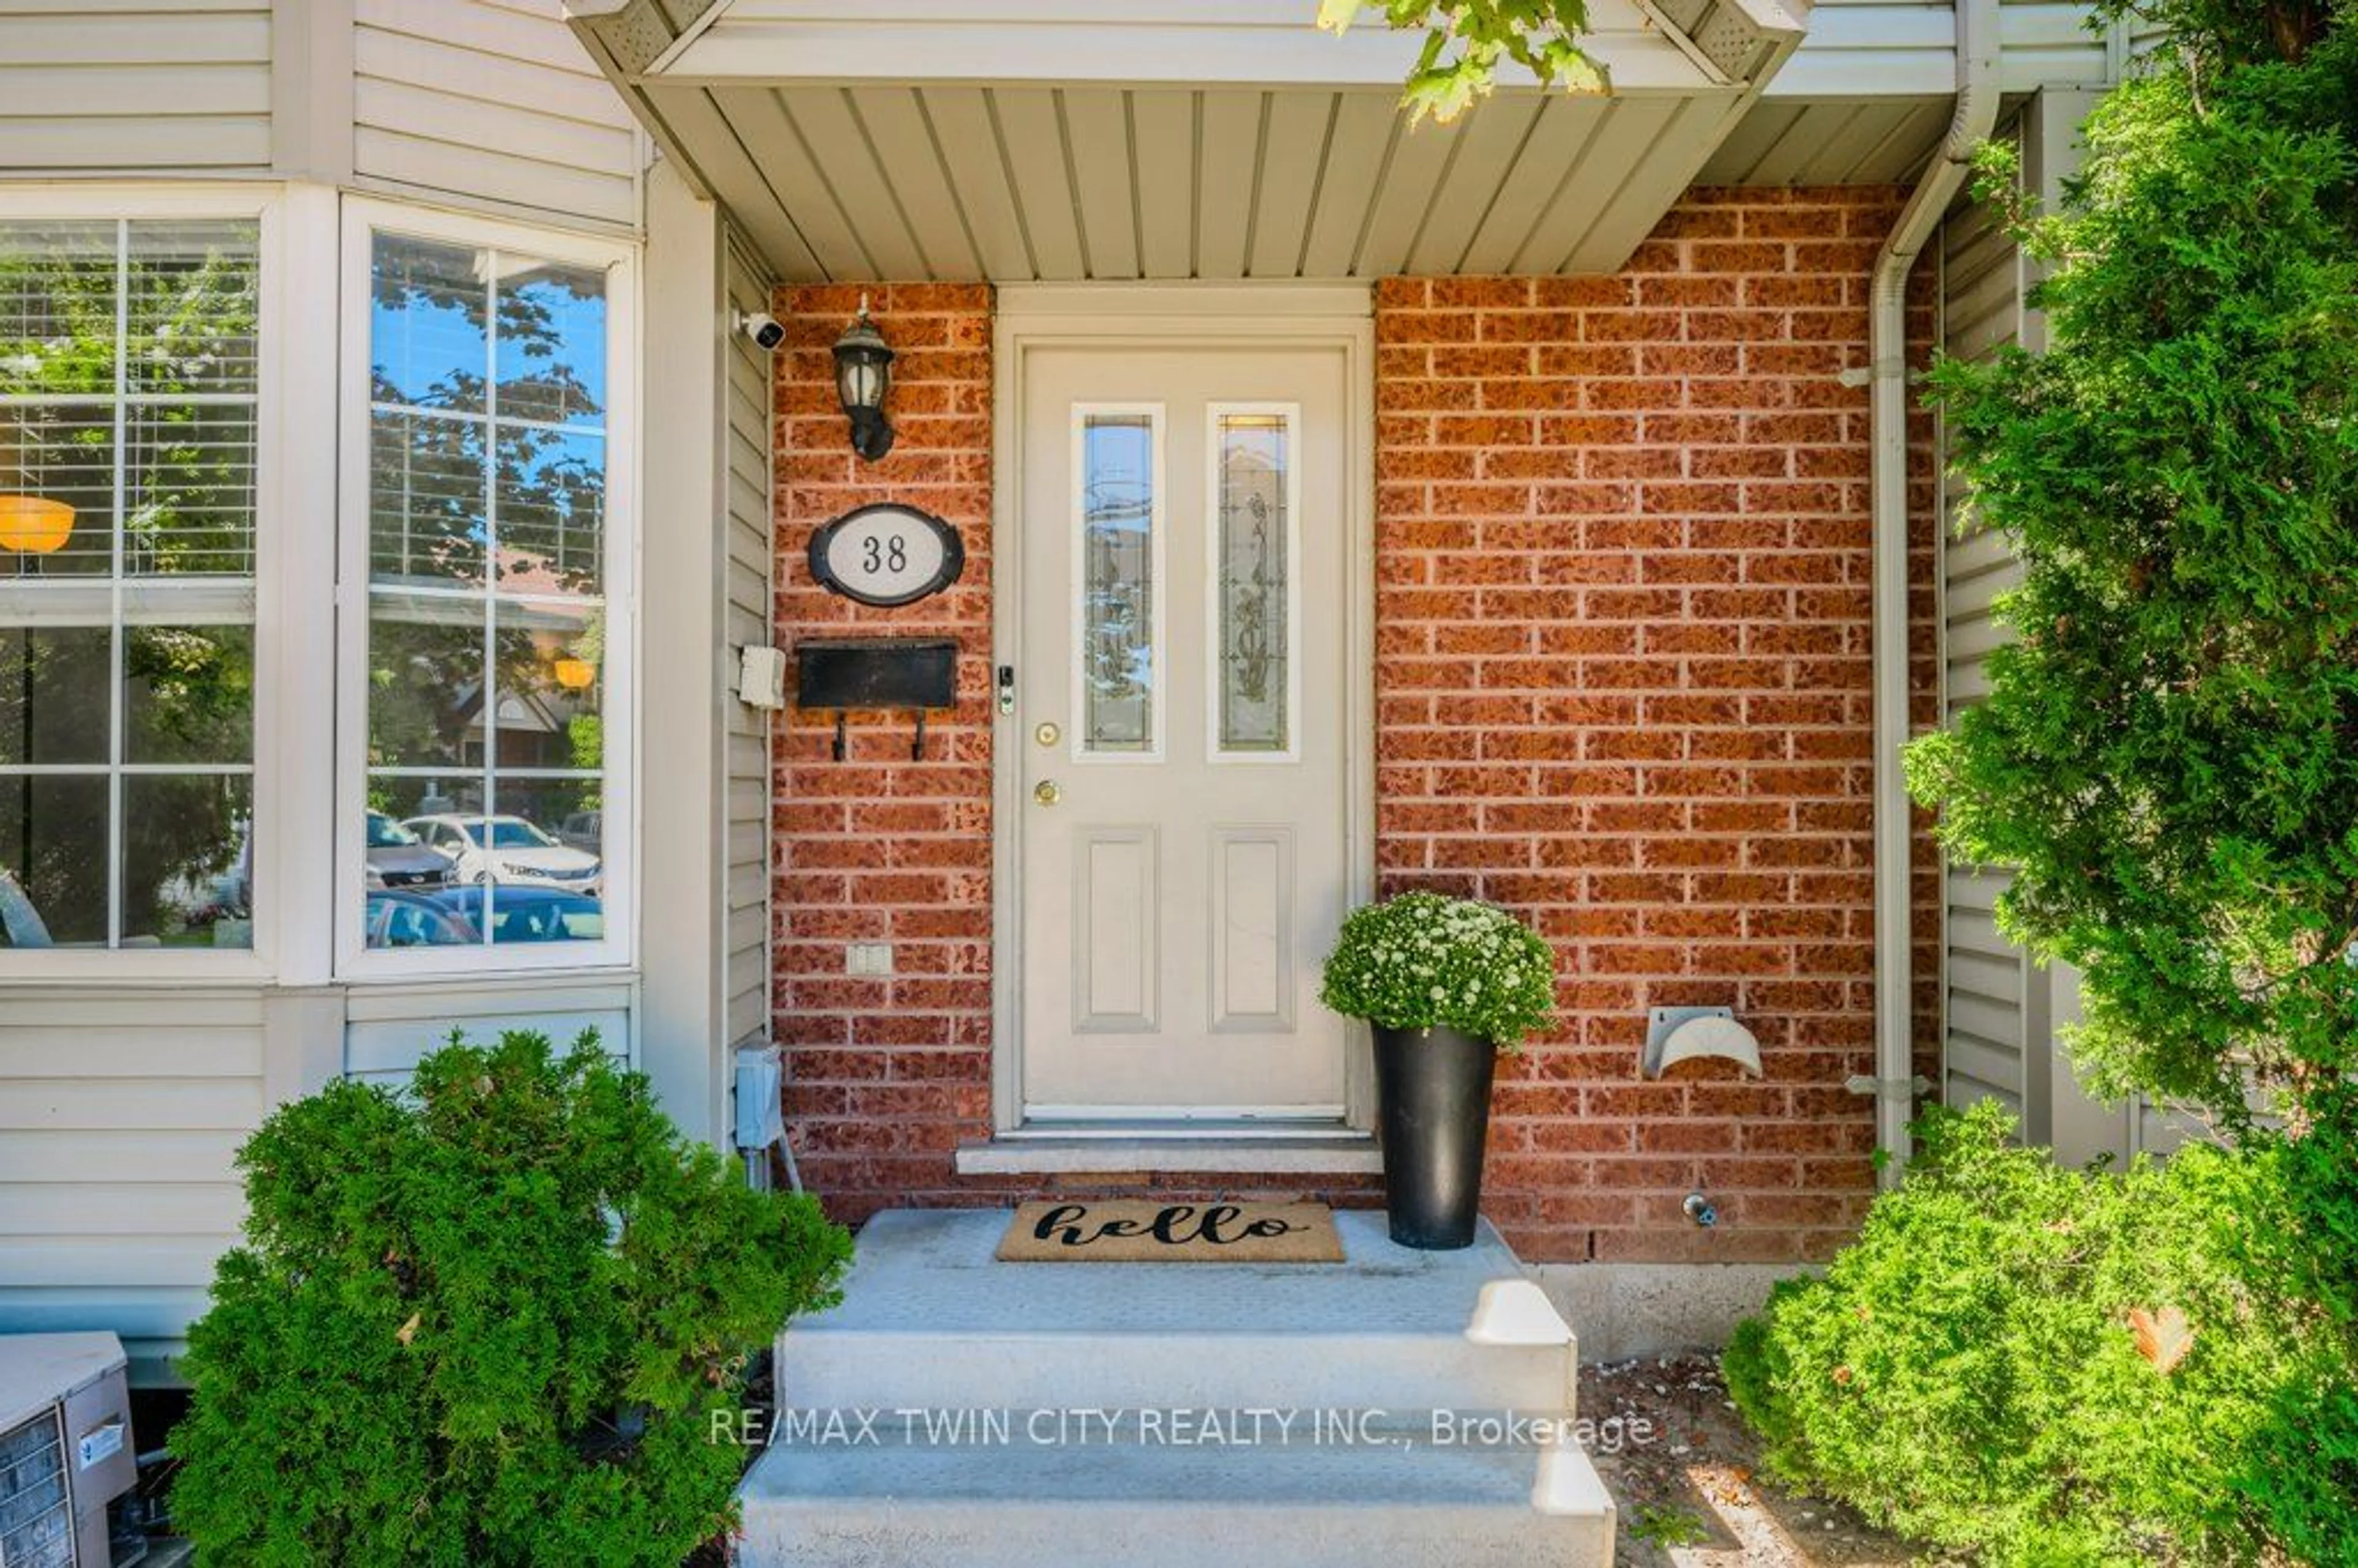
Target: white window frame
[[363, 217], [137, 201], [1215, 588], [1076, 592]]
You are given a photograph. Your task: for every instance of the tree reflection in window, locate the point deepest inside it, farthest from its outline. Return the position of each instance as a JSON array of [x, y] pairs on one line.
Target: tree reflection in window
[[1117, 588], [487, 529], [128, 393], [1253, 533]]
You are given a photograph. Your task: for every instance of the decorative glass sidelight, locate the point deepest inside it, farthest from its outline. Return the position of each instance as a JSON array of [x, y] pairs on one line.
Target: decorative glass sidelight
[[1252, 565], [1120, 506]]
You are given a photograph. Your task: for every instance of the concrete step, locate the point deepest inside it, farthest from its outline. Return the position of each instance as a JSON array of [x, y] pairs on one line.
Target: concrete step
[[931, 1319], [903, 1504], [956, 1412]]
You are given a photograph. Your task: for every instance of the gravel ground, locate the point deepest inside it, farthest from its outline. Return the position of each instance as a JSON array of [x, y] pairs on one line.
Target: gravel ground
[[1685, 1484]]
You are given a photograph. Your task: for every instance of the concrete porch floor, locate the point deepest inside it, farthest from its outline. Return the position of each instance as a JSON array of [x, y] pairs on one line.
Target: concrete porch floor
[[958, 1410]]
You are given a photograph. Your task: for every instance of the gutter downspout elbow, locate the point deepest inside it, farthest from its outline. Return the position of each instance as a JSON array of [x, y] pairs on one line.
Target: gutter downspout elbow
[[1894, 1083]]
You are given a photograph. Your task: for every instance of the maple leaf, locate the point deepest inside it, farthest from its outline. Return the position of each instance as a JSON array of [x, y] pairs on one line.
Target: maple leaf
[[2163, 1337]]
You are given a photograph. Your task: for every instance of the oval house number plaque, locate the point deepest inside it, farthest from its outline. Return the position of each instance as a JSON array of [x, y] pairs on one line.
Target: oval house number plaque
[[886, 554]]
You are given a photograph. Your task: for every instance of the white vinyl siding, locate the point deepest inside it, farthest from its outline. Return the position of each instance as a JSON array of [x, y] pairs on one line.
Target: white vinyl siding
[[118, 1122], [2001, 1013], [145, 86], [493, 102], [1866, 48], [1996, 1028], [746, 618], [388, 1030]]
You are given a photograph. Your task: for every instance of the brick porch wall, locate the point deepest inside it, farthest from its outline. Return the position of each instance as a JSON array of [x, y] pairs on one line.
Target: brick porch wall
[[1623, 615], [1623, 678], [885, 1076]]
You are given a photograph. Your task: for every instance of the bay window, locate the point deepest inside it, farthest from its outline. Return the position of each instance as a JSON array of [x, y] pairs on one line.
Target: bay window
[[129, 392], [494, 628]]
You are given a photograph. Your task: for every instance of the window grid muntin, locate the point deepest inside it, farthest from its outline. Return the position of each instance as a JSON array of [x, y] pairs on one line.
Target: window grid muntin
[[74, 598], [492, 422]]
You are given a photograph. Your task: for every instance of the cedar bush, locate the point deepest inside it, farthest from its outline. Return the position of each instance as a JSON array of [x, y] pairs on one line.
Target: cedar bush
[[1968, 1372], [2168, 759], [492, 1319]]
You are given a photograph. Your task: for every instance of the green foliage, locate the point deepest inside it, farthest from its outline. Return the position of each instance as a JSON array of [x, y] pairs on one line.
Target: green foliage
[[1543, 36], [2168, 758], [491, 1321], [1966, 1372], [2208, 34], [1668, 1527], [1422, 961]]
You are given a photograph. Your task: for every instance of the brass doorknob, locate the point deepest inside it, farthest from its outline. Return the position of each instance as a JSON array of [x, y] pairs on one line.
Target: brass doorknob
[[1047, 792]]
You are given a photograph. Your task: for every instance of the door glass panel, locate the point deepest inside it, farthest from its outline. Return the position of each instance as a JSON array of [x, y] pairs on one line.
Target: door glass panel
[[1120, 501], [1250, 567]]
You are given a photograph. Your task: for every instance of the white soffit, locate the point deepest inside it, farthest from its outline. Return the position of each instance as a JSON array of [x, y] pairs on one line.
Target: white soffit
[[1053, 184], [1065, 140], [1860, 140]]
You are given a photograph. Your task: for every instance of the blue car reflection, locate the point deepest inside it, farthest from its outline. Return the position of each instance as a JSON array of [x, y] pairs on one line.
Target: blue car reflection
[[454, 917]]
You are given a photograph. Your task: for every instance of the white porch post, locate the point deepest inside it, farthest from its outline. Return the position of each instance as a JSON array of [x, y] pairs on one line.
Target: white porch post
[[684, 691]]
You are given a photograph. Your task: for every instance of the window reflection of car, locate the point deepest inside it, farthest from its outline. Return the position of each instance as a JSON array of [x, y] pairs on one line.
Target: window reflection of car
[[415, 920], [507, 850], [527, 914], [584, 830], [397, 860]]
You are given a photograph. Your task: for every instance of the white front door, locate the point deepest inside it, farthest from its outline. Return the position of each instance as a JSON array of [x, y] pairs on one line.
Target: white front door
[[1181, 718]]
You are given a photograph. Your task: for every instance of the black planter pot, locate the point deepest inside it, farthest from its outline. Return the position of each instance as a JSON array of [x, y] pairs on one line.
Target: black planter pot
[[1433, 1098]]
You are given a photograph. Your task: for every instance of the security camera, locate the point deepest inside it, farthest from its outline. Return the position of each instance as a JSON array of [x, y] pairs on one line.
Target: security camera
[[763, 327]]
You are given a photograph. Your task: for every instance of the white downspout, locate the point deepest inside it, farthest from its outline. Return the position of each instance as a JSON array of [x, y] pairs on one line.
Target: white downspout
[[1894, 1083]]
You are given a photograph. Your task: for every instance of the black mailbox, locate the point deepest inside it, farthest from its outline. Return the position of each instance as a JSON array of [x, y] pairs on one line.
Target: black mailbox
[[910, 674]]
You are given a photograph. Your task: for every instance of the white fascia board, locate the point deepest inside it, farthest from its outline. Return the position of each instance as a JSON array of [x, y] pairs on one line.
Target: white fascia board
[[1909, 51], [1866, 73], [1142, 42]]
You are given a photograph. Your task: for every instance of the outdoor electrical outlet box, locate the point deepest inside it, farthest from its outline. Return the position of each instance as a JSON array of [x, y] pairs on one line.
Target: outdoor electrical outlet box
[[761, 1115], [762, 677], [65, 1447]]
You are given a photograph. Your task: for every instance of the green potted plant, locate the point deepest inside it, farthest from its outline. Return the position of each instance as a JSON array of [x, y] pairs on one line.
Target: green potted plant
[[1446, 983]]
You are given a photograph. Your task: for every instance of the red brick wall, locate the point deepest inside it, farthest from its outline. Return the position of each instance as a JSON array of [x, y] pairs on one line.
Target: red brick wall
[[1623, 688], [885, 1076], [1622, 616]]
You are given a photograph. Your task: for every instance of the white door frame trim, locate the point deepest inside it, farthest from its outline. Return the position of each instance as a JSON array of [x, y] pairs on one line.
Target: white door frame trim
[[1273, 316]]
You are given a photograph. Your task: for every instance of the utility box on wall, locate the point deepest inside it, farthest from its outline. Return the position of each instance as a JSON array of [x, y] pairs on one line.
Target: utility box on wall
[[66, 1450]]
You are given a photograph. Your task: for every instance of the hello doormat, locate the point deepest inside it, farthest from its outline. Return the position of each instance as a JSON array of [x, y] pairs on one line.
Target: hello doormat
[[1140, 1230]]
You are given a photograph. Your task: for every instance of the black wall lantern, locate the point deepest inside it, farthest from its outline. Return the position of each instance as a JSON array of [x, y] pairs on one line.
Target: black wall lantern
[[864, 374]]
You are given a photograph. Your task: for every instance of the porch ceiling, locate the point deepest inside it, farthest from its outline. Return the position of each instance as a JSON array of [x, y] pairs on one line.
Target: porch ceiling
[[1863, 141], [1055, 140]]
